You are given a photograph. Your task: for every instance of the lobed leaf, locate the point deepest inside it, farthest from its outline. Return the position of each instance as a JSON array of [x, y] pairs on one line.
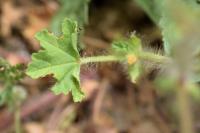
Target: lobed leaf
[[59, 57]]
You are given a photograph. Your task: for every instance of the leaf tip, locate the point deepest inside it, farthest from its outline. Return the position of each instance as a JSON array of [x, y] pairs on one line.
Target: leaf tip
[[79, 97]]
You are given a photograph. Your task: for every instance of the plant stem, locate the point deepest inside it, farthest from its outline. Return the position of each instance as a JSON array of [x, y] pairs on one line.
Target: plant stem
[[110, 58], [186, 123], [17, 120], [154, 57], [107, 58]]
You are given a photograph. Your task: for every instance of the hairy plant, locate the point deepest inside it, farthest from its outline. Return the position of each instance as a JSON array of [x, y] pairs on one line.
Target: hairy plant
[[61, 58], [11, 95], [9, 76]]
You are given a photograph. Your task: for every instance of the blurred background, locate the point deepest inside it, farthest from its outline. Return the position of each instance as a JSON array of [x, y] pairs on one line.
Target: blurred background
[[113, 104]]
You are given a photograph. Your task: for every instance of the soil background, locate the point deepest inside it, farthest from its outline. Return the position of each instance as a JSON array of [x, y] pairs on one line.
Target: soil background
[[113, 104]]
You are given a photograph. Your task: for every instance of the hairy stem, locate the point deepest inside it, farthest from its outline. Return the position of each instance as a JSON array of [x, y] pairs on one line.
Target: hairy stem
[[110, 58], [186, 123], [154, 57], [107, 58]]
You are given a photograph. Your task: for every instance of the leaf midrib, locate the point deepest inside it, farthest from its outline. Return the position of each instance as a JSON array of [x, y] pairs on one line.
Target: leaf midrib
[[52, 66], [54, 46]]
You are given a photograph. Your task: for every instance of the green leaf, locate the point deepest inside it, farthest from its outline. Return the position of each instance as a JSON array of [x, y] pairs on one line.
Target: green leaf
[[152, 8], [194, 91], [134, 71], [180, 20], [165, 83], [6, 97], [129, 49], [59, 57], [9, 76], [74, 9], [130, 46], [175, 18]]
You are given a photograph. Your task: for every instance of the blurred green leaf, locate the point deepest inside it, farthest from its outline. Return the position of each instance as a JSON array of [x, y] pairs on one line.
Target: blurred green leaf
[[173, 17], [127, 46], [152, 8], [194, 91], [9, 76], [73, 9], [179, 21], [165, 84]]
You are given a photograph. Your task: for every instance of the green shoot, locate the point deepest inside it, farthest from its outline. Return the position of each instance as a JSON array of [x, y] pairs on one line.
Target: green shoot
[[61, 58], [11, 95]]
